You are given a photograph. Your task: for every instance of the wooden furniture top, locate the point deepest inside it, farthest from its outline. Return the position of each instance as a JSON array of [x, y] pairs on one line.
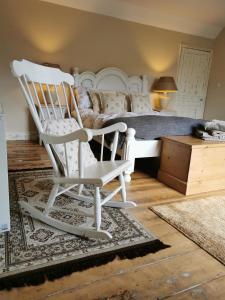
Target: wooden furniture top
[[194, 142]]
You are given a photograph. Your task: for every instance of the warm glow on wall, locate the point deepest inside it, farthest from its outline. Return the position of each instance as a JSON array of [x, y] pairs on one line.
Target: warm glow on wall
[[159, 65], [159, 62], [49, 35], [158, 58], [49, 43]]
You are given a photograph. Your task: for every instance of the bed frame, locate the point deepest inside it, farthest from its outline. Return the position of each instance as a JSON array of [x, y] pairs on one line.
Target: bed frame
[[114, 79]]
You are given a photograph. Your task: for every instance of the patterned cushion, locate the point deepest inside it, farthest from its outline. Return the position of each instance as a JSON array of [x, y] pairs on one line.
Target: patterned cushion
[[127, 102], [82, 97], [127, 99], [96, 102], [140, 103], [65, 126], [112, 102]]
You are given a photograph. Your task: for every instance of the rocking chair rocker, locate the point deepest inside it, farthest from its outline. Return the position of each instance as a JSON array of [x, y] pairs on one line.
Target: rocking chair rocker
[[66, 142]]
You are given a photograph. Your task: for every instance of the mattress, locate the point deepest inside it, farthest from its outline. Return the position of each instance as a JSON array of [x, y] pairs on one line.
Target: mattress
[[149, 126], [153, 127]]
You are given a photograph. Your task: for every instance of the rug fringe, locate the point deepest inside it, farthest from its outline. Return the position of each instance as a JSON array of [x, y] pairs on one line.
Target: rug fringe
[[51, 273]]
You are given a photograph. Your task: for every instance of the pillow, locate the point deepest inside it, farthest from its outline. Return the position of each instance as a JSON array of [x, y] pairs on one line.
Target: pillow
[[96, 102], [127, 102], [140, 103], [112, 102], [127, 99], [62, 127], [87, 116], [83, 100]]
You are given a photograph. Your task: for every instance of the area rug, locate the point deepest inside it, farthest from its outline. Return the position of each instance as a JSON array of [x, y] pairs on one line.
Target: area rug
[[201, 220], [34, 251]]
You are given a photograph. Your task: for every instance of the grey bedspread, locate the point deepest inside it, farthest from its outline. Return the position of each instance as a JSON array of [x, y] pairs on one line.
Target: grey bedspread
[[150, 127]]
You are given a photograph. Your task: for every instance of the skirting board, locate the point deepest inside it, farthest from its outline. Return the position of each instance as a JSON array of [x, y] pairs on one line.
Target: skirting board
[[22, 136]]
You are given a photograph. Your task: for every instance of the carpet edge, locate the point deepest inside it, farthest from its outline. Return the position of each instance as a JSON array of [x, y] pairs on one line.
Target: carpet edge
[[53, 272]]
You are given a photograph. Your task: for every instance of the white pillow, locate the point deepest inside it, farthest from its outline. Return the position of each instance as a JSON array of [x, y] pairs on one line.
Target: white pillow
[[82, 97], [140, 103], [96, 101], [62, 127], [112, 103]]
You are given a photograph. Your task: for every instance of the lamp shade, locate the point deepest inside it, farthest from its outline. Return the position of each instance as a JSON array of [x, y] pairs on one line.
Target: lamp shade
[[165, 84]]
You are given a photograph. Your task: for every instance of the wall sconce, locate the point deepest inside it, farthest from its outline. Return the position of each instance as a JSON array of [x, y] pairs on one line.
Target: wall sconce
[[163, 86]]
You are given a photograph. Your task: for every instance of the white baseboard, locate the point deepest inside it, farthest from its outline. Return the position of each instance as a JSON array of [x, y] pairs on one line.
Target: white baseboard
[[32, 136]]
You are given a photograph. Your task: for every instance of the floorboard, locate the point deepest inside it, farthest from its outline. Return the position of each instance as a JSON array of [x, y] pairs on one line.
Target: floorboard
[[183, 271]]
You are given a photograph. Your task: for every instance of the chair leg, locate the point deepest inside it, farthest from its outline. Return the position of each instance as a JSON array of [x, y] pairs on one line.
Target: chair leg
[[97, 208], [51, 198], [124, 203], [123, 192]]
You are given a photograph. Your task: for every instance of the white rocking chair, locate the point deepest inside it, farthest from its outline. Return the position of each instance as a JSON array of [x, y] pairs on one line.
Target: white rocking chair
[[66, 142]]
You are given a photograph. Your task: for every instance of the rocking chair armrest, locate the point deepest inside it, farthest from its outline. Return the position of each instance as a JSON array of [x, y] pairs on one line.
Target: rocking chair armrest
[[84, 135], [120, 126]]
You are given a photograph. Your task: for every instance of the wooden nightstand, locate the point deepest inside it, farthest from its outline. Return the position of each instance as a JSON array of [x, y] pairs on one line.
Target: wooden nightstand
[[51, 112]]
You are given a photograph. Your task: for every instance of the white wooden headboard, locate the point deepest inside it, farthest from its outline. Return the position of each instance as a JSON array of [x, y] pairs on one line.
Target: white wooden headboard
[[113, 79]]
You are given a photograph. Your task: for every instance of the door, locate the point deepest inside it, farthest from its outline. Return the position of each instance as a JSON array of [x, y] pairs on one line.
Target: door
[[192, 82]]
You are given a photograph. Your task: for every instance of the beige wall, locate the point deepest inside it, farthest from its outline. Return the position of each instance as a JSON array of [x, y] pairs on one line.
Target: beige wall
[[44, 32], [215, 102]]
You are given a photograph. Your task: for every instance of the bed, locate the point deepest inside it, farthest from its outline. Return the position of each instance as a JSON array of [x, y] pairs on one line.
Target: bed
[[140, 144]]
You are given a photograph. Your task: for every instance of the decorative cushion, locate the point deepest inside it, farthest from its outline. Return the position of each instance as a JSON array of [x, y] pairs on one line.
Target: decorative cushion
[[82, 97], [112, 102], [96, 102], [127, 102], [140, 103], [62, 127], [88, 117]]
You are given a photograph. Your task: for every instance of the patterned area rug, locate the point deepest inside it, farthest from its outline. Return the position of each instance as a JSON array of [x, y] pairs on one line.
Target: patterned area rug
[[34, 251], [201, 220]]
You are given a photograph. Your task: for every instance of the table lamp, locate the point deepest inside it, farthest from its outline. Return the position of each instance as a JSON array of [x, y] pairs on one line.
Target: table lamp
[[164, 85]]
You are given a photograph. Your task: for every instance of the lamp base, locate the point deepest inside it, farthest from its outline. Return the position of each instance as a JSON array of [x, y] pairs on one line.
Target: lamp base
[[164, 100]]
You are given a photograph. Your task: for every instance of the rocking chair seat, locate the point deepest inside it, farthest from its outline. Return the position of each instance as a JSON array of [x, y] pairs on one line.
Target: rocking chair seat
[[99, 173]]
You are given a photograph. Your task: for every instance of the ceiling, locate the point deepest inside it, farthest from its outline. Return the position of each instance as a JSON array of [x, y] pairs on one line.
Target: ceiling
[[204, 18]]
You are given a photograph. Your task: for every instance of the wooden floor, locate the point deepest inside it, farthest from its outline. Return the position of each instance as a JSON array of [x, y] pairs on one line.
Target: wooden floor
[[183, 271]]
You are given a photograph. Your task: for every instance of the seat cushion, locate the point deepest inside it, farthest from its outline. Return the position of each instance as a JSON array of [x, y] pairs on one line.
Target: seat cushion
[[62, 127]]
